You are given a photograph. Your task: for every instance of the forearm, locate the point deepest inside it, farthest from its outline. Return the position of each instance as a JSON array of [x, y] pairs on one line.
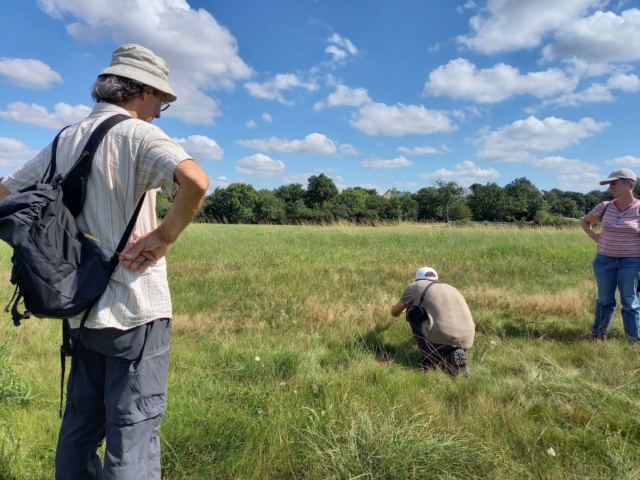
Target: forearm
[[193, 183], [586, 226], [397, 309]]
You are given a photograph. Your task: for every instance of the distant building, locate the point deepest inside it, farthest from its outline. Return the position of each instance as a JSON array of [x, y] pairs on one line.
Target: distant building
[[393, 193]]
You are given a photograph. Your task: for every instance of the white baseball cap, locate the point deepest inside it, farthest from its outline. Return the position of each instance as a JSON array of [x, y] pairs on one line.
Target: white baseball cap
[[426, 273]]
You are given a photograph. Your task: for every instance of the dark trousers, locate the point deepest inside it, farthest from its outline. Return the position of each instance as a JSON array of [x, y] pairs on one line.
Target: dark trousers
[[116, 393], [432, 354]]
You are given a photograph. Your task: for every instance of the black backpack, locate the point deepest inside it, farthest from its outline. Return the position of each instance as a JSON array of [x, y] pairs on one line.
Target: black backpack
[[418, 313], [59, 272]]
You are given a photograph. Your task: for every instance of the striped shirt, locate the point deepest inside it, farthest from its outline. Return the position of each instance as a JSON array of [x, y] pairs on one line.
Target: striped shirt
[[620, 236], [135, 157]]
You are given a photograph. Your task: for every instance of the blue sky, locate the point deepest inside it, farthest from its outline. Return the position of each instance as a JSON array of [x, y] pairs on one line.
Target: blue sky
[[372, 93]]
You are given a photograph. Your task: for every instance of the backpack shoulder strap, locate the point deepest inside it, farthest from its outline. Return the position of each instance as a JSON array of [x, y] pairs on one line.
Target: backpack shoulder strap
[[74, 184], [51, 169], [425, 291], [127, 233]]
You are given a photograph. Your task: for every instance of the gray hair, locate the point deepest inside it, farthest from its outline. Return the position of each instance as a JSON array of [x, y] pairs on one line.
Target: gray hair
[[116, 89]]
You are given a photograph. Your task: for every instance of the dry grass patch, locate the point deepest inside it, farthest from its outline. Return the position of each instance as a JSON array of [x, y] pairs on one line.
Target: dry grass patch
[[342, 317], [483, 297], [568, 303]]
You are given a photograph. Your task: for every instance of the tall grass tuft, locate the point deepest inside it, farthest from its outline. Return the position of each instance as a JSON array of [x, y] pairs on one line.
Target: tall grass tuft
[[385, 445], [14, 389]]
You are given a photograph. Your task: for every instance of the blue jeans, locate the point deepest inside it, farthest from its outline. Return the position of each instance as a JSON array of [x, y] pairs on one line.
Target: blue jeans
[[621, 273]]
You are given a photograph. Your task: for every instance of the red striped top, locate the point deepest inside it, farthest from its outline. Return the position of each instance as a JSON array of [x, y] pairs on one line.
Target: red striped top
[[620, 236]]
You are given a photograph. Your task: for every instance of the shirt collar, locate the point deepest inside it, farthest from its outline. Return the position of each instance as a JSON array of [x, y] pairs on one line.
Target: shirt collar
[[102, 108]]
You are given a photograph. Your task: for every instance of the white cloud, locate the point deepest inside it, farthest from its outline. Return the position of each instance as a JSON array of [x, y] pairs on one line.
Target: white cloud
[[626, 83], [464, 174], [201, 53], [28, 73], [345, 96], [520, 140], [272, 89], [348, 149], [312, 143], [193, 106], [426, 150], [201, 147], [398, 120], [398, 162], [219, 182], [601, 37], [461, 79], [469, 5], [624, 161], [63, 115], [508, 25], [301, 178], [14, 153], [579, 182], [563, 165], [340, 48], [251, 124], [596, 93], [579, 68], [260, 165], [267, 118]]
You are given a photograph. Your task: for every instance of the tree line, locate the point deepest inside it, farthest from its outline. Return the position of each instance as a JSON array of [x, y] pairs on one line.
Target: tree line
[[321, 202]]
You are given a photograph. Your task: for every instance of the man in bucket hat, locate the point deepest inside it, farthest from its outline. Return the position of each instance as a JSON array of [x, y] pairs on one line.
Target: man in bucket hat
[[440, 320], [117, 385]]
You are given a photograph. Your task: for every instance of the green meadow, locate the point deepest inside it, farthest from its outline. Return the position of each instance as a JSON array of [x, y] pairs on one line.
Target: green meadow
[[286, 364]]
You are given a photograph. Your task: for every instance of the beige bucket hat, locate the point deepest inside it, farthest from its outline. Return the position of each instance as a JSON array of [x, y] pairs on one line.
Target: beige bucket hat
[[141, 64]]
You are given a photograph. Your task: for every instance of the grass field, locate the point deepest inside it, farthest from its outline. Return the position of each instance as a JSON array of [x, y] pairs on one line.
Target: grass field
[[280, 339]]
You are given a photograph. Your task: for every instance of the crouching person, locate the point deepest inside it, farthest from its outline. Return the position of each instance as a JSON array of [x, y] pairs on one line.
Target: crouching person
[[443, 327]]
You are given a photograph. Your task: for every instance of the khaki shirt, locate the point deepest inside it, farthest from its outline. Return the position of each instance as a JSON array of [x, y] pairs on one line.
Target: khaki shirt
[[449, 318], [134, 157]]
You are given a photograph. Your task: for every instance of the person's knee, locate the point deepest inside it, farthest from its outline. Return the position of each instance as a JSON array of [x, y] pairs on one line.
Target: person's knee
[[606, 301]]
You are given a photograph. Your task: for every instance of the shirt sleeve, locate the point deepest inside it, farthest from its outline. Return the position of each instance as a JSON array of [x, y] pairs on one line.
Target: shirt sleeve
[[598, 210], [158, 158], [407, 297], [30, 173]]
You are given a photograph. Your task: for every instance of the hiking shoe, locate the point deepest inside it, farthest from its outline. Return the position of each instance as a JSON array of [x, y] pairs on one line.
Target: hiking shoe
[[456, 363], [598, 338]]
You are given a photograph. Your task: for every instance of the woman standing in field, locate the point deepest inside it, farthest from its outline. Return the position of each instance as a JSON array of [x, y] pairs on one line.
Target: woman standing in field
[[617, 261]]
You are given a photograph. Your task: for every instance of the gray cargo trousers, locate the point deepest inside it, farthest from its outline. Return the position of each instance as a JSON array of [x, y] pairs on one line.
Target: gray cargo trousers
[[116, 394]]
